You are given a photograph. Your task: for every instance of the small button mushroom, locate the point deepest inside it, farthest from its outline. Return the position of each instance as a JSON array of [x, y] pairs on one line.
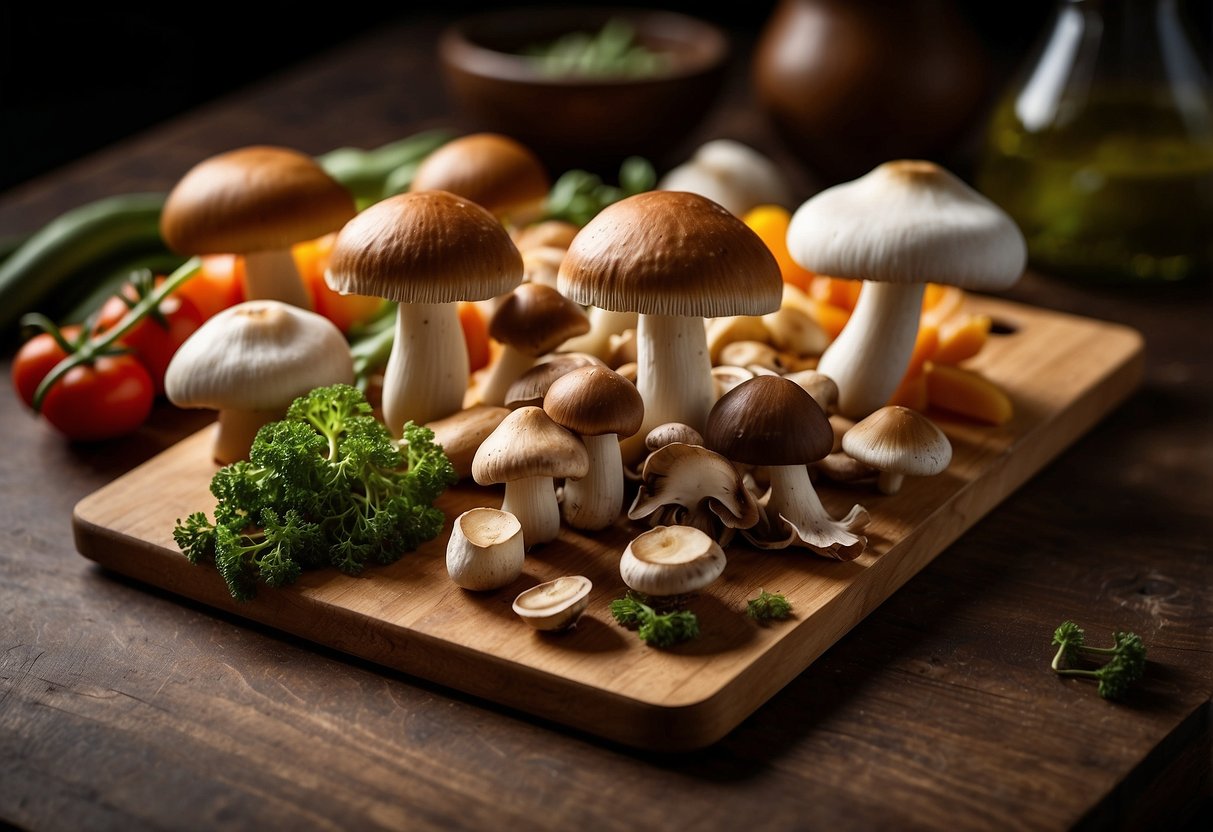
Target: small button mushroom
[[900, 443], [555, 605], [485, 550], [752, 354], [600, 406], [257, 202], [731, 173], [818, 385], [249, 362], [427, 251], [531, 321], [772, 422], [897, 227], [544, 234], [670, 564], [526, 452], [530, 387], [671, 432]]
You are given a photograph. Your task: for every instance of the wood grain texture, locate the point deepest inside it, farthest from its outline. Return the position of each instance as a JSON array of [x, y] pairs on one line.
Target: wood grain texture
[[1062, 372]]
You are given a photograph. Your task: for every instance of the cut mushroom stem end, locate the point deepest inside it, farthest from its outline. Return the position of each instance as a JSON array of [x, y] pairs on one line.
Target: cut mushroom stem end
[[554, 606]]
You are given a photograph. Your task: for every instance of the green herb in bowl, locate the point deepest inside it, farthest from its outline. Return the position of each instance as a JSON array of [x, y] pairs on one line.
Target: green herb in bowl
[[613, 52]]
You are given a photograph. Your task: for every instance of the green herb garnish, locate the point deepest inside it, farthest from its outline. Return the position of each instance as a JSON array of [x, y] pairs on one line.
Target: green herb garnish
[[768, 606], [1125, 659], [578, 195], [613, 51], [326, 486], [652, 627]]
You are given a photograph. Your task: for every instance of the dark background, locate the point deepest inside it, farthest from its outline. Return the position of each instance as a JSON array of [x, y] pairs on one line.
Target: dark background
[[73, 79]]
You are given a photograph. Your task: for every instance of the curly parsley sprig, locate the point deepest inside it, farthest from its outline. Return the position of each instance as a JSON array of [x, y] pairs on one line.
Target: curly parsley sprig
[[658, 629], [1125, 659]]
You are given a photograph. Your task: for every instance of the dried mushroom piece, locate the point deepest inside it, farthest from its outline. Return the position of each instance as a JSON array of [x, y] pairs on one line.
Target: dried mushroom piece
[[555, 605]]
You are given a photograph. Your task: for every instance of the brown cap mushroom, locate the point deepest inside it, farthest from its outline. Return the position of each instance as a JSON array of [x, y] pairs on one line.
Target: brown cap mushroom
[[600, 406], [526, 452], [773, 422], [532, 386], [900, 443], [530, 321], [898, 227], [427, 251], [249, 362], [492, 170], [675, 258], [256, 201]]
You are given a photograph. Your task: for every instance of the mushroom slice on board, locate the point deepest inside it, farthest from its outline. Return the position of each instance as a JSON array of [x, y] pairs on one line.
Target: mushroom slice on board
[[249, 362], [898, 442], [527, 452], [671, 563], [772, 422], [256, 202], [485, 549], [554, 605], [691, 485], [427, 251], [675, 259], [600, 406], [898, 227]]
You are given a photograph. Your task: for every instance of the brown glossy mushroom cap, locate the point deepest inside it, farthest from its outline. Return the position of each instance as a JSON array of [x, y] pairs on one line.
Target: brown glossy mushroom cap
[[528, 443], [424, 247], [490, 169], [535, 319], [769, 420], [530, 387], [592, 401], [256, 198], [671, 253]]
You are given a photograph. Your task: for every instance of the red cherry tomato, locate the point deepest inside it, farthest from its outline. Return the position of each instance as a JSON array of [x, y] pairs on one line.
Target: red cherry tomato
[[109, 398], [153, 341], [37, 357]]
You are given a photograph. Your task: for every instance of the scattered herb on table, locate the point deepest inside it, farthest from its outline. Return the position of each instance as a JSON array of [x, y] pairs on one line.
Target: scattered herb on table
[[768, 606], [658, 629], [1124, 661], [326, 486]]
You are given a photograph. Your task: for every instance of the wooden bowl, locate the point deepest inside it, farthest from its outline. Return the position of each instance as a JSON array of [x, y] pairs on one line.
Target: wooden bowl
[[586, 122]]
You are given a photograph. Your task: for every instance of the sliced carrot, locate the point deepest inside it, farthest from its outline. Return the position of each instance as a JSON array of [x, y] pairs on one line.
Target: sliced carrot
[[476, 334], [912, 392], [967, 393], [940, 302], [218, 284], [830, 318], [925, 344], [312, 259], [770, 223], [962, 338], [836, 291]]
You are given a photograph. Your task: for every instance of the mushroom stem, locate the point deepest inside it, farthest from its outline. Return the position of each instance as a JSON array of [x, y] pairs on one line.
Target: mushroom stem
[[793, 499], [533, 501], [603, 324], [595, 501], [869, 357], [889, 482], [673, 375], [236, 430], [510, 364], [485, 550], [273, 275], [427, 371]]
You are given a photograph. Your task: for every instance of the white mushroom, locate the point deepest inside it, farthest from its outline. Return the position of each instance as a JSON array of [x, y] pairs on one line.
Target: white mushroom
[[731, 173], [554, 605], [249, 362], [674, 258], [904, 224], [898, 442], [485, 549], [257, 202], [772, 422], [427, 251], [600, 406], [526, 452], [671, 562]]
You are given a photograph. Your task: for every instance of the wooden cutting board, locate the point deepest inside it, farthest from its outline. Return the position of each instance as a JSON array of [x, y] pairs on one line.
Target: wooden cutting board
[[1063, 373]]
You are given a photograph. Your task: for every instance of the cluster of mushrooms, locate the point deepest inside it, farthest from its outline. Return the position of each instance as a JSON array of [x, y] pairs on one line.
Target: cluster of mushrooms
[[655, 350]]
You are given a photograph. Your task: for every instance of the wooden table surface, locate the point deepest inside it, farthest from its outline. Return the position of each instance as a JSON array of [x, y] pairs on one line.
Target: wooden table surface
[[125, 707]]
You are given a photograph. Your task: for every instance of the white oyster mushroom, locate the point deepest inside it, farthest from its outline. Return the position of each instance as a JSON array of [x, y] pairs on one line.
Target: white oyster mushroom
[[898, 227], [249, 362]]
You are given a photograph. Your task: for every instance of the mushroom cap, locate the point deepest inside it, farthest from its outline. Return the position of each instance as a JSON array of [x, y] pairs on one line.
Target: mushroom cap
[[769, 420], [671, 560], [679, 474], [671, 253], [899, 440], [535, 319], [424, 247], [528, 443], [256, 198], [490, 169], [556, 604], [532, 386], [592, 401], [908, 221], [257, 355]]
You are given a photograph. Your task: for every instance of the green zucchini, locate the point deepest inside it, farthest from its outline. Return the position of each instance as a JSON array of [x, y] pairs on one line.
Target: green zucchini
[[48, 263]]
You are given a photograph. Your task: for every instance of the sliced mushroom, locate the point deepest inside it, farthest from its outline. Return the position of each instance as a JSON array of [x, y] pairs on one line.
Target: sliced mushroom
[[671, 562], [733, 328], [485, 550], [671, 432], [554, 605]]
